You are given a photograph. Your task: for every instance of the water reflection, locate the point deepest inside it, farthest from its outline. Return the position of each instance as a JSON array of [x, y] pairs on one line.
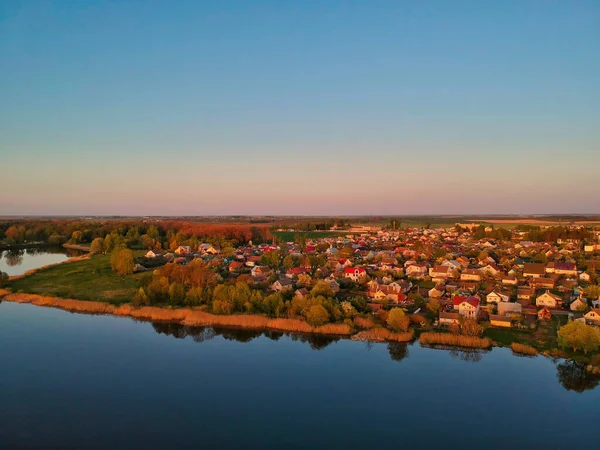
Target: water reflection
[[202, 334], [18, 261], [573, 376]]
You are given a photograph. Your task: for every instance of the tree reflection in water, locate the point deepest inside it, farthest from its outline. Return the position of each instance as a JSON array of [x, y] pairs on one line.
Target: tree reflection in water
[[200, 334], [398, 351], [573, 376], [13, 257]]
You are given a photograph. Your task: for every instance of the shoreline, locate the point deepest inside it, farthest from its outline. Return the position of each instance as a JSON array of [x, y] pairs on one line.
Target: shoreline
[[48, 266], [183, 316]]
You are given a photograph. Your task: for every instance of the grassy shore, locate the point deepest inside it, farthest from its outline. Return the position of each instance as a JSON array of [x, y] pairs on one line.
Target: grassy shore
[[88, 279]]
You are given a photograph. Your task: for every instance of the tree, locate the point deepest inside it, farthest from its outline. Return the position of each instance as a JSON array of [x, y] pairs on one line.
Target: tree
[[176, 293], [97, 246], [434, 305], [322, 287], [3, 279], [76, 237], [592, 291], [140, 298], [470, 327], [121, 261], [317, 315], [397, 320], [579, 336], [348, 310]]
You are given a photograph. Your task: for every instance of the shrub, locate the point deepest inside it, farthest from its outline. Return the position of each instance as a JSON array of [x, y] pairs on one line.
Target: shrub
[[317, 315], [524, 349], [397, 320], [454, 339]]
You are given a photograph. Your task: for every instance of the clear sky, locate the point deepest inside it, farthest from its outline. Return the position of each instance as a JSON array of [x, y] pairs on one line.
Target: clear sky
[[299, 107]]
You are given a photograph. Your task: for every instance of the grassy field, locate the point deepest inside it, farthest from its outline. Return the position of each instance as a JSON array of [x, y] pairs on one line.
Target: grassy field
[[288, 236], [90, 279]]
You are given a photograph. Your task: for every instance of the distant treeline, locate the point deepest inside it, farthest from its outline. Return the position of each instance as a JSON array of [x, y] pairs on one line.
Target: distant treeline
[[131, 233], [552, 234]]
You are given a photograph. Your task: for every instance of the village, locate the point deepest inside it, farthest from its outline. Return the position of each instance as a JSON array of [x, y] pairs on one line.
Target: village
[[499, 278]]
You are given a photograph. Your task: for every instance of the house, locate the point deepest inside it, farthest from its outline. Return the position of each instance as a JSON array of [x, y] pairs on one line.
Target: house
[[260, 271], [579, 304], [282, 285], [510, 280], [491, 270], [416, 270], [439, 271], [466, 306], [295, 271], [548, 300], [471, 275], [335, 286], [544, 314], [207, 249], [592, 317], [449, 318], [183, 250], [356, 274], [534, 270], [436, 292], [150, 254], [235, 266], [301, 293], [562, 268], [509, 309], [500, 321], [542, 283], [584, 276], [496, 297]]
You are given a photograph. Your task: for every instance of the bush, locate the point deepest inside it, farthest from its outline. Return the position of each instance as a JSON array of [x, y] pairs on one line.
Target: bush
[[453, 339], [397, 320], [3, 279], [524, 349], [317, 315]]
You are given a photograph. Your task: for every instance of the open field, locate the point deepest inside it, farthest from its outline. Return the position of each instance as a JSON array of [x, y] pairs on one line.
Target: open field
[[532, 222], [89, 279], [289, 236]]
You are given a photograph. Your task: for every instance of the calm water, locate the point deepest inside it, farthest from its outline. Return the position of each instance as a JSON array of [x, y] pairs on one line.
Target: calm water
[[17, 262], [78, 381]]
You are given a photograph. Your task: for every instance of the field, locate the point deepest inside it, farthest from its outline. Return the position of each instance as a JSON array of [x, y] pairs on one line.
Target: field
[[90, 279], [289, 236]]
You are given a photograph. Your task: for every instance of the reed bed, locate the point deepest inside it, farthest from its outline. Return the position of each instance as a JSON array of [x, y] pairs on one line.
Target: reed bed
[[383, 335], [363, 322], [454, 340], [523, 349], [185, 316]]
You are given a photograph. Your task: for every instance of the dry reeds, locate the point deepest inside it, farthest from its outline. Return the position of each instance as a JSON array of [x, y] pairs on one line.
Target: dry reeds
[[523, 349], [454, 340], [383, 335], [185, 316], [363, 322]]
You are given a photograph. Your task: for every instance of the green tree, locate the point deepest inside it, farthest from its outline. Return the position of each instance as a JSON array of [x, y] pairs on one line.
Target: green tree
[[592, 292], [176, 293], [76, 237], [140, 298], [579, 336], [3, 279], [397, 320], [322, 287], [97, 246], [434, 305], [121, 261], [317, 315]]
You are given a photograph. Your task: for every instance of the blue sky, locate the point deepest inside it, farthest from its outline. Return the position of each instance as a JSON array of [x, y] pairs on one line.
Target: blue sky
[[281, 107]]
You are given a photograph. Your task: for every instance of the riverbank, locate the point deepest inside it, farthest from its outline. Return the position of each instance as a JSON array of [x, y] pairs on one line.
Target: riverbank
[[183, 316], [81, 248], [49, 266]]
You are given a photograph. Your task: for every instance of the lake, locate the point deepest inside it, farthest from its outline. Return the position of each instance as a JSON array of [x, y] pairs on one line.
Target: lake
[[82, 381], [17, 262]]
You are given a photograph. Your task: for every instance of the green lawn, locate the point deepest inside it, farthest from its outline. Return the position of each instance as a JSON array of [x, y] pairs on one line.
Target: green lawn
[[506, 336], [90, 279]]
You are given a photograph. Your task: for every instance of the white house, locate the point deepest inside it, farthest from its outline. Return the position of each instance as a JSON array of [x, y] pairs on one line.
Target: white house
[[548, 299], [496, 297]]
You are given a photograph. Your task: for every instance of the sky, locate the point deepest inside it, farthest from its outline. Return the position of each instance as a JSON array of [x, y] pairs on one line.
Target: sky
[[299, 107]]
